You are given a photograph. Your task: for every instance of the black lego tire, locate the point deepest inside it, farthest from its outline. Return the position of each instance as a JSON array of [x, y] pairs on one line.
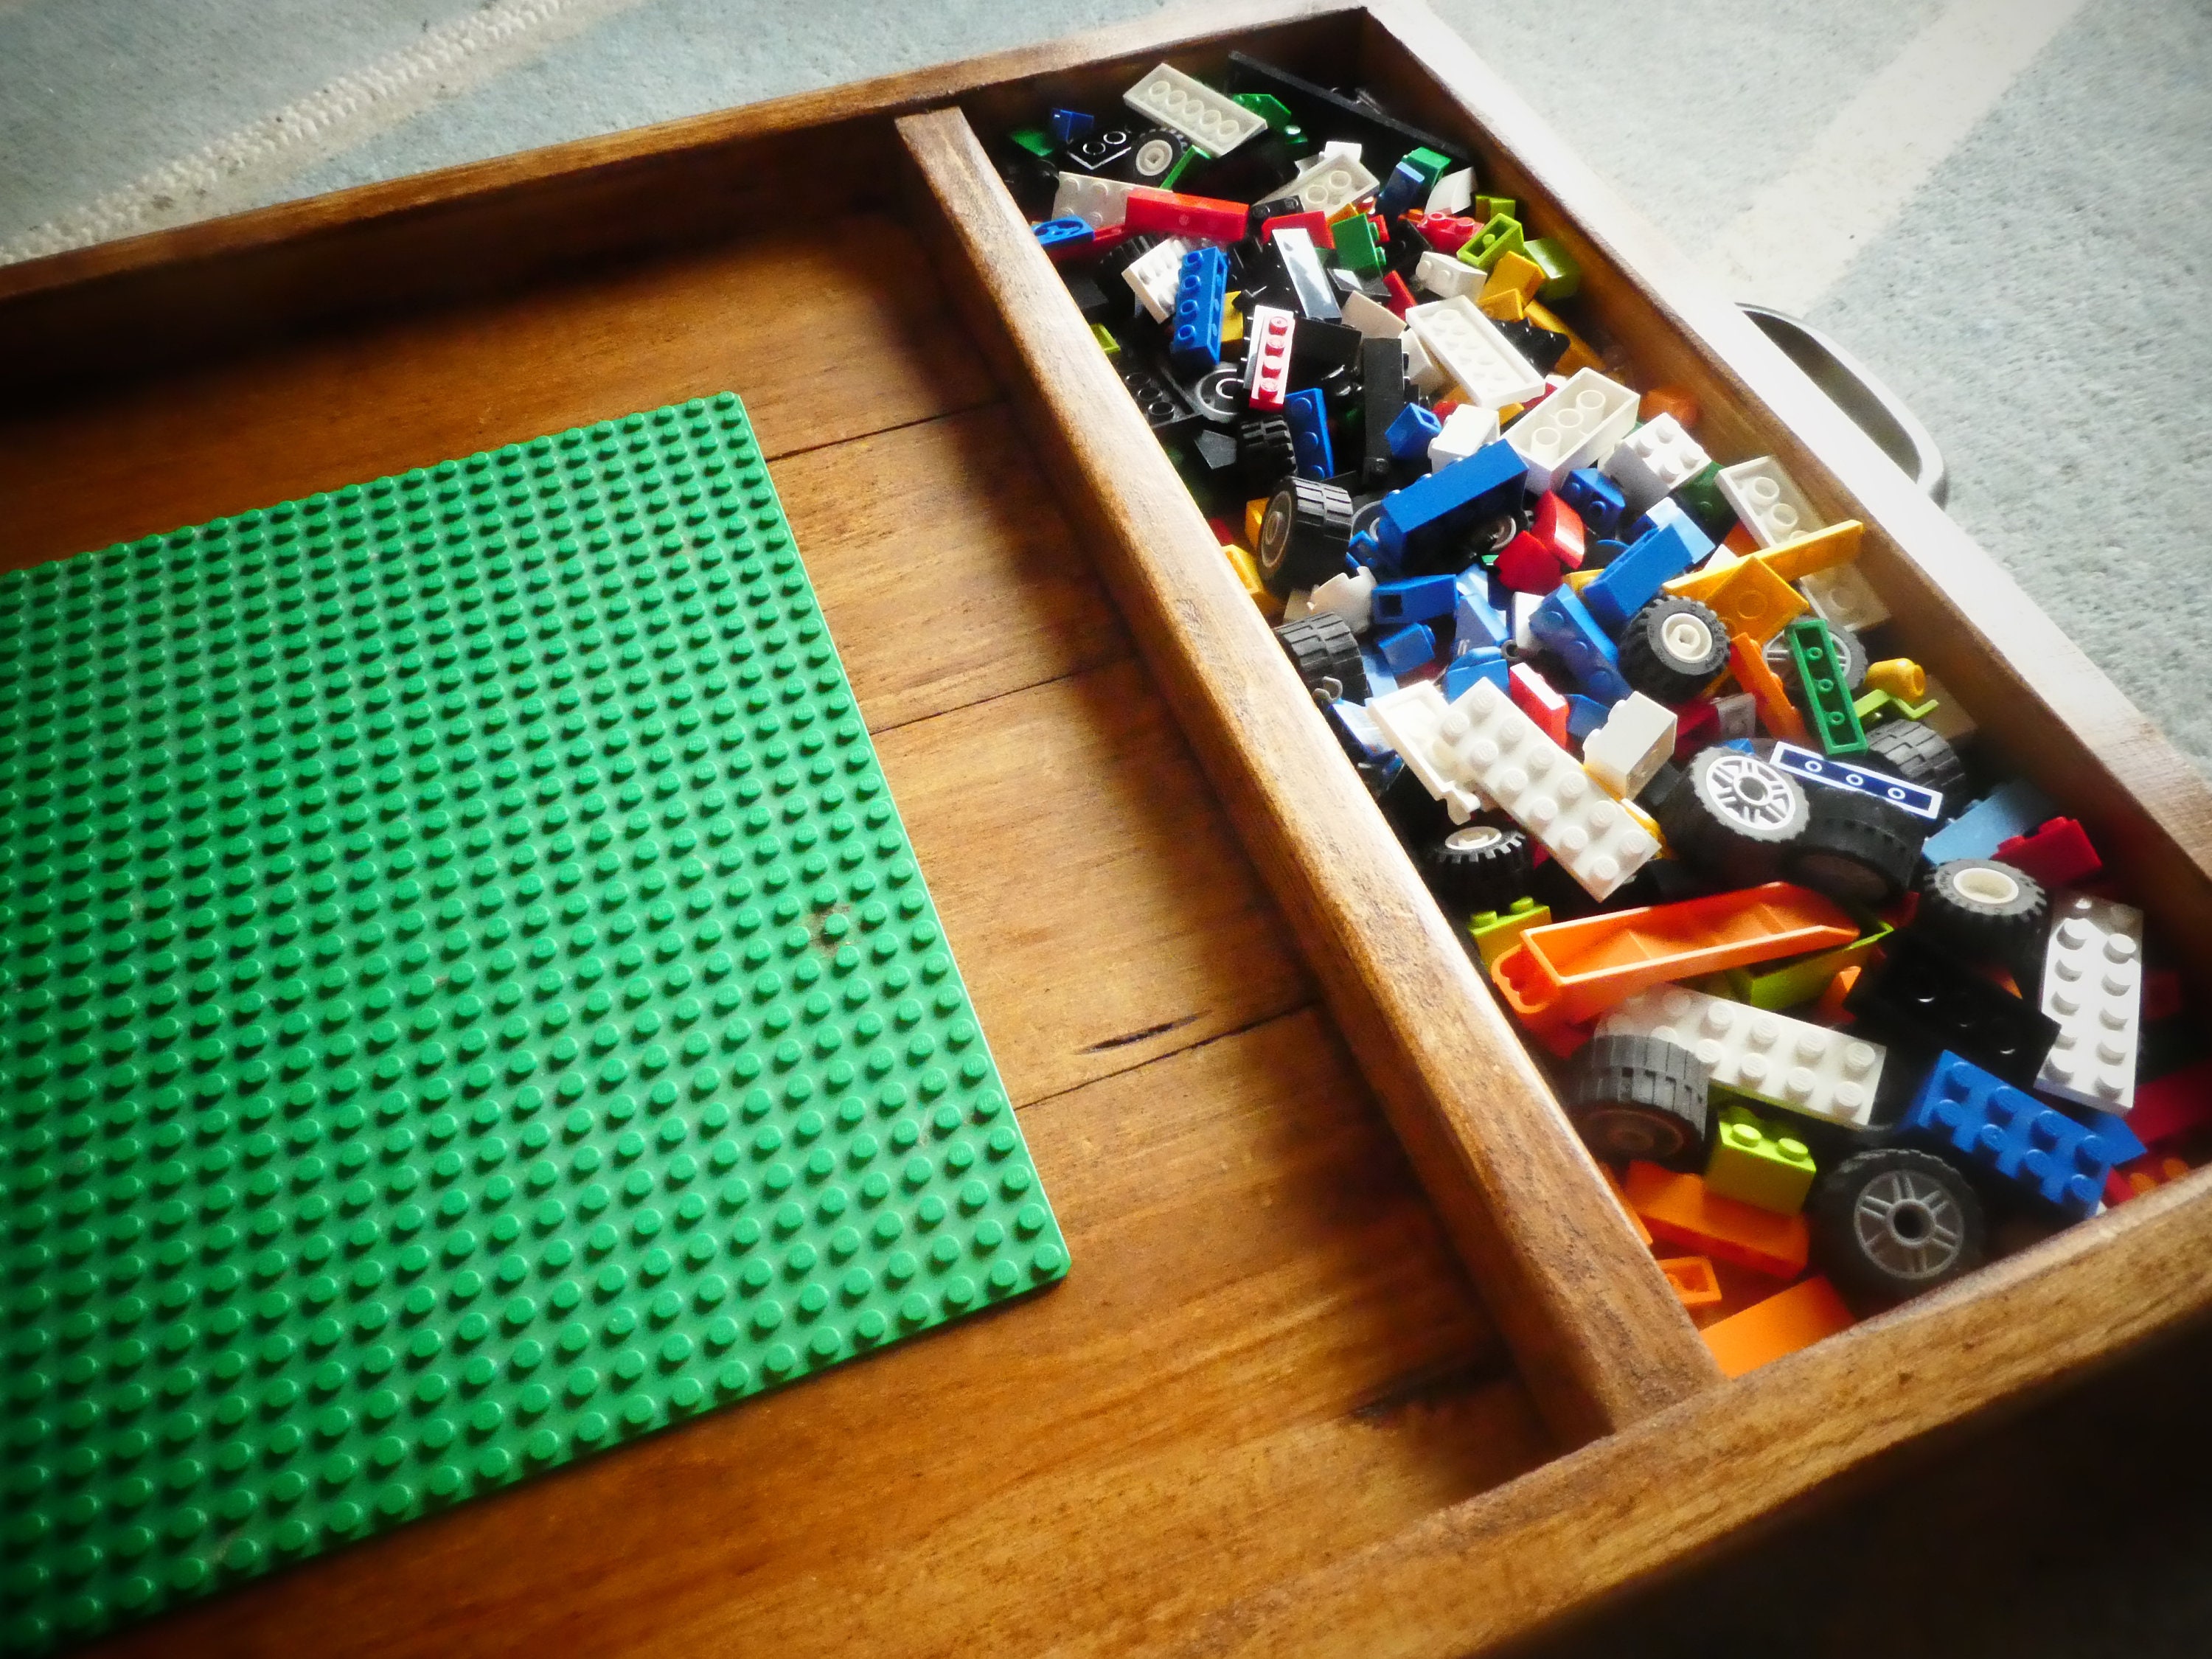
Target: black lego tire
[[1479, 866], [1638, 1098], [1891, 1223], [1673, 649], [1302, 538], [1321, 646], [1919, 754], [1984, 909], [1265, 454], [1854, 847], [1733, 815]]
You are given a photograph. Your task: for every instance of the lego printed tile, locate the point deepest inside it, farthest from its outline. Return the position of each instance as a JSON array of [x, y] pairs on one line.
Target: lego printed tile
[[1147, 932], [332, 408], [524, 1022]]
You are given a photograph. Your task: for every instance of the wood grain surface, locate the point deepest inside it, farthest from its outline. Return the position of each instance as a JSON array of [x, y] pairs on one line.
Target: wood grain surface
[[1593, 1325]]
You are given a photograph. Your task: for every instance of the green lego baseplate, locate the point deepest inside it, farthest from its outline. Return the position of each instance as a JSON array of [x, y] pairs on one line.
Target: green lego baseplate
[[469, 1001]]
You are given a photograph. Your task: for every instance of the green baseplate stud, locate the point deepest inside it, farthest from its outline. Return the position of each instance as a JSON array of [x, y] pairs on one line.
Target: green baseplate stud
[[467, 1000]]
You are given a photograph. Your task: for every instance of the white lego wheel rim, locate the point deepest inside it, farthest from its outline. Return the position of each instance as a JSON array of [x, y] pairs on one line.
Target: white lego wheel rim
[[1154, 157], [1909, 1223], [1986, 884], [1686, 635], [1749, 794], [1474, 838]]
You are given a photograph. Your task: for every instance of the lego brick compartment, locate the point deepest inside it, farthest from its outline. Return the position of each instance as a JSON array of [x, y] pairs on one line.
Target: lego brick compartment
[[1845, 1004]]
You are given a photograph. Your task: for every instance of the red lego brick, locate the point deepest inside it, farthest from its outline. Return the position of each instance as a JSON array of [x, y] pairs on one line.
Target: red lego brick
[[1527, 566], [2167, 1108], [1534, 693], [2161, 995], [1314, 222], [1559, 528], [1173, 214], [1447, 232], [2058, 856], [2144, 1175], [1268, 360], [1402, 297], [1697, 723]]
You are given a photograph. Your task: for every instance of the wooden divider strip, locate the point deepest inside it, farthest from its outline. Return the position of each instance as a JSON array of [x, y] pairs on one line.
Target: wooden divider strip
[[1592, 1323]]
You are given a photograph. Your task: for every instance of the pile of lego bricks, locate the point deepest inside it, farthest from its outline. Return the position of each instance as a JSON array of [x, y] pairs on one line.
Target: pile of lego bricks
[[1843, 1011]]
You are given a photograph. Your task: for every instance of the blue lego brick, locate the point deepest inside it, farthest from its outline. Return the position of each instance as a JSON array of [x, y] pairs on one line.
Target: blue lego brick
[[1565, 628], [1663, 512], [2019, 808], [1363, 549], [1359, 727], [1478, 617], [1069, 125], [1585, 715], [1408, 648], [1201, 285], [1596, 499], [1061, 233], [1970, 1115], [1633, 581], [1308, 419], [1600, 553], [1414, 598], [1861, 780], [1483, 663], [1413, 432], [1404, 188], [1382, 680], [1491, 480]]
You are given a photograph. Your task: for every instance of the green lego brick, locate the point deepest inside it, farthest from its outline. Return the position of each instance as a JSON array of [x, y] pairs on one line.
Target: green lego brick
[[1035, 140], [1356, 250], [1755, 1163], [1277, 114], [1562, 272], [469, 1001], [1829, 711], [1427, 163], [1495, 932]]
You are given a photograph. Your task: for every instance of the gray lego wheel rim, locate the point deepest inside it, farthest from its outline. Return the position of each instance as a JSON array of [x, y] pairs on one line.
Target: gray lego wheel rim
[[1746, 793], [1633, 1131], [1909, 1223]]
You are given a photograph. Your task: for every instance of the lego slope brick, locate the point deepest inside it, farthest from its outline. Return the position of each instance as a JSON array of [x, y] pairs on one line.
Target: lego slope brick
[[469, 1000]]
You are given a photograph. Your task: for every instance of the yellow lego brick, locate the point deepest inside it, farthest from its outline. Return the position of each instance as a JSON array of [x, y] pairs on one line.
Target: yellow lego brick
[[1502, 308], [1902, 678], [1514, 274], [1837, 544], [1232, 320], [1578, 353], [1752, 599], [1256, 514], [1578, 580], [1248, 572]]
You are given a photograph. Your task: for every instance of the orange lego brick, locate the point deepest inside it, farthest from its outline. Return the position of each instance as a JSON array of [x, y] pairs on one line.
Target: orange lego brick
[[1577, 355], [1740, 542], [1669, 400], [1573, 971], [1643, 1232], [1680, 1209], [1695, 1284], [1793, 1319], [1829, 1009], [1747, 661]]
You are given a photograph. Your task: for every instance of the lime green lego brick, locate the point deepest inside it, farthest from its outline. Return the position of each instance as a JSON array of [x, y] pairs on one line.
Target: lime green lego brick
[[1356, 250], [1788, 984], [1107, 342], [1499, 236], [469, 1001], [1754, 1163], [1562, 272], [1035, 140], [1277, 114], [1495, 932], [1488, 208]]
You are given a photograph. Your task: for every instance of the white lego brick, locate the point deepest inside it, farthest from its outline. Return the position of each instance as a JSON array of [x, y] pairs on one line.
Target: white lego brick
[[1101, 203], [2092, 987], [1373, 320], [1352, 598], [1626, 753], [1576, 425], [1770, 1057], [1453, 193], [1487, 743], [1949, 720], [1466, 345], [1739, 715], [1409, 720], [1446, 277], [1466, 429], [1421, 368], [1326, 183], [1652, 462], [1298, 606], [1524, 617], [1840, 595], [1769, 502], [1153, 276], [1213, 120], [1343, 149]]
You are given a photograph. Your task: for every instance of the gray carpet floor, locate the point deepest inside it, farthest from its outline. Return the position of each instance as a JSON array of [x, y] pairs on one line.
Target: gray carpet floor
[[2033, 278]]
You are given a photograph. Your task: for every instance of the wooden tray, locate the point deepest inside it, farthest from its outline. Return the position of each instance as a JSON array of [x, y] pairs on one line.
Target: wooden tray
[[1292, 1397]]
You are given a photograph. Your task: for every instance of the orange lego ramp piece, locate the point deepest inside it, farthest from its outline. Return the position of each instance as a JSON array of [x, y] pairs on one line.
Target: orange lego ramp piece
[[1573, 971], [1679, 1210], [1796, 1318]]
